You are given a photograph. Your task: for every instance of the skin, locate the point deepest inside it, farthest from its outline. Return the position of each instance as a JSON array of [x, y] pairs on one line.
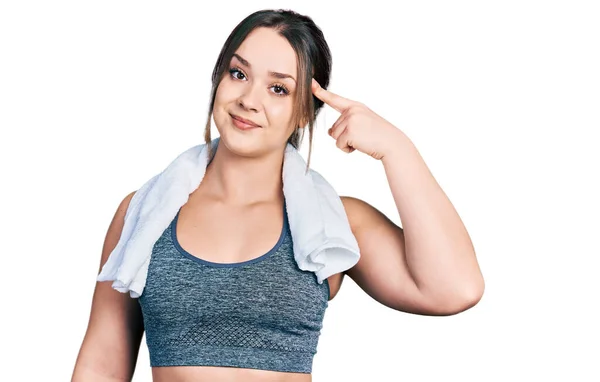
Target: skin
[[401, 268]]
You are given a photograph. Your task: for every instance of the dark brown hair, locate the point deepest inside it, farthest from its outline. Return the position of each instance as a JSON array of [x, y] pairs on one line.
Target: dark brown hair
[[313, 60]]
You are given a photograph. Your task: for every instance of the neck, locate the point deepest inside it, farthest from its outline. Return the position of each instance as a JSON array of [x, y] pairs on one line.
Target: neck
[[242, 181]]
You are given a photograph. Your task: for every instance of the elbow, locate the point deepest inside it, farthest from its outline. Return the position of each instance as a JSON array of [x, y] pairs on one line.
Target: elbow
[[470, 297], [458, 299]]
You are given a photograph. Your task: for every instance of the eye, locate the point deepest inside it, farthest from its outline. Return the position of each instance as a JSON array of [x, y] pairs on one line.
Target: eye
[[233, 74], [237, 74], [283, 91]]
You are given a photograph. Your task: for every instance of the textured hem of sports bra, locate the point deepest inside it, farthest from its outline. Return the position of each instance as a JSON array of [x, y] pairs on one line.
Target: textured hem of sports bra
[[249, 358], [284, 229]]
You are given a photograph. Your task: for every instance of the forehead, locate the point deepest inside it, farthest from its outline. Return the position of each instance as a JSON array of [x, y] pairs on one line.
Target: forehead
[[266, 50]]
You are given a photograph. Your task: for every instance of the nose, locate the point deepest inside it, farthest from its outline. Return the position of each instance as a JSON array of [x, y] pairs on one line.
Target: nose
[[250, 98]]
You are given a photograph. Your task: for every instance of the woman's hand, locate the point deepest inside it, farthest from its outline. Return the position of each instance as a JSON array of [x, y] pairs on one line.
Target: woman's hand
[[358, 127]]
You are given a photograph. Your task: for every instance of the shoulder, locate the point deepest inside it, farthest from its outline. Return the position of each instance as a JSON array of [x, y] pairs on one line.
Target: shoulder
[[119, 216], [116, 226], [375, 234], [126, 201], [355, 208], [362, 214]]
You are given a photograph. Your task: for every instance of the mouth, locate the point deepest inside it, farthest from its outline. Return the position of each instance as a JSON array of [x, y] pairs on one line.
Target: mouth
[[243, 123]]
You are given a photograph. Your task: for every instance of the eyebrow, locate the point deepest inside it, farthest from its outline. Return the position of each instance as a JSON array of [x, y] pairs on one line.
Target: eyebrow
[[272, 74]]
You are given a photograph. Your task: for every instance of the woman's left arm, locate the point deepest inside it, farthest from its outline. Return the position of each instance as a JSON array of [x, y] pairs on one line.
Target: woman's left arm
[[428, 266]]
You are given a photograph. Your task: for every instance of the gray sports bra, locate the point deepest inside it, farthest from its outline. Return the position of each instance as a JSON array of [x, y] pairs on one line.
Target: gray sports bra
[[264, 313]]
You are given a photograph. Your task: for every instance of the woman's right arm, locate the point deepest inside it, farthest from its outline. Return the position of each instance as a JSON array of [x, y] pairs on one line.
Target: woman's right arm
[[112, 340]]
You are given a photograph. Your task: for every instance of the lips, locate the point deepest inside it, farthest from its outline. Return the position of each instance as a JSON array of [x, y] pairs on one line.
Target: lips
[[243, 120]]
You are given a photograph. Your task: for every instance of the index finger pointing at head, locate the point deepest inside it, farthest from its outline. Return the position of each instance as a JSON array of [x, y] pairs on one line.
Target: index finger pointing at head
[[337, 102]]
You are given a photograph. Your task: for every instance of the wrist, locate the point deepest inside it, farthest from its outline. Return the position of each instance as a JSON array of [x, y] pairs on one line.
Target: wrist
[[396, 144]]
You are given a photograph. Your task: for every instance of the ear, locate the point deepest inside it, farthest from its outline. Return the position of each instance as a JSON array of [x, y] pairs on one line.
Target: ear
[[303, 123]]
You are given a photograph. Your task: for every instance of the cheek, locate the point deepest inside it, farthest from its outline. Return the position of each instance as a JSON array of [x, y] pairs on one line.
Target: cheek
[[218, 113], [280, 112], [223, 94], [223, 98]]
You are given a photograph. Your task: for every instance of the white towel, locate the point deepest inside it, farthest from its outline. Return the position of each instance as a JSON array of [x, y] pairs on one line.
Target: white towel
[[323, 240]]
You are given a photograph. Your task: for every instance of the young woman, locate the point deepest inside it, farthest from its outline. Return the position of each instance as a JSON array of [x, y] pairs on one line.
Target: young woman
[[224, 299]]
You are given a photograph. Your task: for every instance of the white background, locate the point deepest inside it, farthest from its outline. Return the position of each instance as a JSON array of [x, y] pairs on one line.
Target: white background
[[502, 99]]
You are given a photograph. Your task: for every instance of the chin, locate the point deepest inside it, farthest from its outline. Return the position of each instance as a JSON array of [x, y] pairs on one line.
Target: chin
[[238, 144]]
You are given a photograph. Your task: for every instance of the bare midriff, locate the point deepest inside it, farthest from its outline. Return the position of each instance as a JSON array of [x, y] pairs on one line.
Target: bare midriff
[[223, 374]]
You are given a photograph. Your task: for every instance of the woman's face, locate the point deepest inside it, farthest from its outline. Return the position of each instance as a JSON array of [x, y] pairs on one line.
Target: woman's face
[[259, 86]]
